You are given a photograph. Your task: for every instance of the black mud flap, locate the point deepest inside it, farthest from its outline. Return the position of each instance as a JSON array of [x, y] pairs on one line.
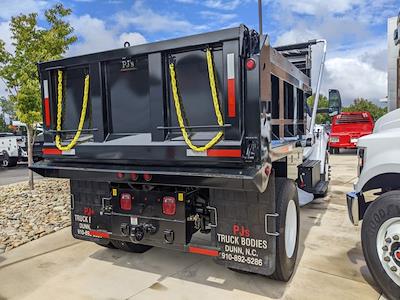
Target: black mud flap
[[86, 204], [244, 229]]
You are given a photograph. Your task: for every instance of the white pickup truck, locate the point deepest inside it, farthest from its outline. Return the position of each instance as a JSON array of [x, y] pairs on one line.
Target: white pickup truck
[[12, 149]]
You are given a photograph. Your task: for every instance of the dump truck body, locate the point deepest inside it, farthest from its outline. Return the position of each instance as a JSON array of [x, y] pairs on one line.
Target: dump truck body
[[200, 134]]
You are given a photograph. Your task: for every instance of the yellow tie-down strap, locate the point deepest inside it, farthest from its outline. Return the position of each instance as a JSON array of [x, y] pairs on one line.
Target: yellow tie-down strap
[[75, 139], [211, 77]]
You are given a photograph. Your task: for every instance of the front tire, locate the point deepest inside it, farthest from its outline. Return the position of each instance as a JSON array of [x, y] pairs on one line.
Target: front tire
[[9, 161], [288, 223], [380, 236]]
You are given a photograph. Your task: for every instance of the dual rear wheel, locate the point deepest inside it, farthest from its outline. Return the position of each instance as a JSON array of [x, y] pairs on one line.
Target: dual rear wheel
[[125, 246], [287, 243]]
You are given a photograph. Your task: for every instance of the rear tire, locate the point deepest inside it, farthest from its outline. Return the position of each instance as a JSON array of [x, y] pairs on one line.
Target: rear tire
[[382, 221], [288, 223], [130, 247], [105, 243]]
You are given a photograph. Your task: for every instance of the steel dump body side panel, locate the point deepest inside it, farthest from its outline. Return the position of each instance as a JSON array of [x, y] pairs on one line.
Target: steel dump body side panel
[[183, 42]]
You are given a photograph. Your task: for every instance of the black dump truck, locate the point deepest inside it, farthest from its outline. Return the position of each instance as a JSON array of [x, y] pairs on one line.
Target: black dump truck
[[190, 144]]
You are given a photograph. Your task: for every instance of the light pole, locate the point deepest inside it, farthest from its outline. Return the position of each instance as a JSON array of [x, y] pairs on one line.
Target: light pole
[[260, 22]]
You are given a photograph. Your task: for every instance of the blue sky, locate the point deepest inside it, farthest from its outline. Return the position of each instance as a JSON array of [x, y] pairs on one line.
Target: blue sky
[[356, 30]]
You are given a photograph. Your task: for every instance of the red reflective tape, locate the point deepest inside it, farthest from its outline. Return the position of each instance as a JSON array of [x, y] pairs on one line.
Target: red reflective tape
[[101, 234], [47, 112], [51, 151], [224, 153], [203, 251], [231, 98]]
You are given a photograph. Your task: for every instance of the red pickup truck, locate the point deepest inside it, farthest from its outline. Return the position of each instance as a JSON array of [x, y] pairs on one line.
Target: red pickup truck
[[347, 128]]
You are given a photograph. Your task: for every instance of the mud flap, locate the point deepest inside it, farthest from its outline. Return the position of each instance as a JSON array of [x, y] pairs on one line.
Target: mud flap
[[244, 229], [86, 205]]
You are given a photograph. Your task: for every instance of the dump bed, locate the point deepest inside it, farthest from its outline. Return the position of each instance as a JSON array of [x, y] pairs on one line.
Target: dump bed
[[132, 112]]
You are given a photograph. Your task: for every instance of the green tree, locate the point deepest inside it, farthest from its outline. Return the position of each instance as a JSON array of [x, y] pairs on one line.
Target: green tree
[[322, 103], [33, 43], [3, 125], [361, 104]]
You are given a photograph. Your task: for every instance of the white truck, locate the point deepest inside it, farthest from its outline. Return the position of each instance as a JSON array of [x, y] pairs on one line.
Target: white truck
[[12, 148], [379, 174]]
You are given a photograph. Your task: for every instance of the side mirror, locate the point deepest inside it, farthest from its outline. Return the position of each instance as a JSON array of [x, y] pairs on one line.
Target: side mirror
[[335, 103], [396, 36]]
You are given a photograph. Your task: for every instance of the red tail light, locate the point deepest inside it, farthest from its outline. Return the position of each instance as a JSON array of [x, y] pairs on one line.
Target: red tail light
[[120, 175], [134, 176], [125, 201], [250, 64], [169, 206], [147, 177]]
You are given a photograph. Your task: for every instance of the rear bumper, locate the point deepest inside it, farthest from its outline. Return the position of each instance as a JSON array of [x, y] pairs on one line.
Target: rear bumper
[[250, 179], [343, 146], [353, 207], [346, 141]]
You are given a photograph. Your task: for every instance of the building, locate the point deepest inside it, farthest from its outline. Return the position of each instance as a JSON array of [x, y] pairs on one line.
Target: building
[[393, 63]]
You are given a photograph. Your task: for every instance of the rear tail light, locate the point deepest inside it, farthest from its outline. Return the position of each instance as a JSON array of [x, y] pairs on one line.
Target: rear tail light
[[125, 201], [134, 176], [120, 175], [147, 177], [169, 206], [250, 64]]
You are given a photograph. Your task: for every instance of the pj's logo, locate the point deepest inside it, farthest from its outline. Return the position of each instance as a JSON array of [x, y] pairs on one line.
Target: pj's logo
[[128, 64]]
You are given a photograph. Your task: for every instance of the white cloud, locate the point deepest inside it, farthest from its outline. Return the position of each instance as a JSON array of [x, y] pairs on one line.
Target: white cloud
[[297, 35], [217, 4], [356, 59], [147, 20], [223, 4], [11, 8], [317, 7], [94, 36], [355, 78], [360, 72], [134, 38], [217, 16]]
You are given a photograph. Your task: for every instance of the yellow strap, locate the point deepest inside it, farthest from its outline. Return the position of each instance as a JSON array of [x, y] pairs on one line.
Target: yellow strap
[[214, 94], [74, 141]]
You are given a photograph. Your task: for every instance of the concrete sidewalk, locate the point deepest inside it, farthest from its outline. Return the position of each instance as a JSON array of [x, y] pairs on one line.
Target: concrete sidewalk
[[331, 264]]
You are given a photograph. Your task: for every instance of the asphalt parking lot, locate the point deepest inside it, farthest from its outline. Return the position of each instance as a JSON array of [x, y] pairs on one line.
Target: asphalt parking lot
[[15, 174], [330, 263]]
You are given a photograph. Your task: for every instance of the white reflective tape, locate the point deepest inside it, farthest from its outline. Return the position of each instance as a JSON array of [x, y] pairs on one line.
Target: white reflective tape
[[230, 62], [69, 152], [46, 88], [190, 152]]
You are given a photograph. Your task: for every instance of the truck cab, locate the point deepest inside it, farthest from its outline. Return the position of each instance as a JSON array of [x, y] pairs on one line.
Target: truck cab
[[347, 128], [376, 197]]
